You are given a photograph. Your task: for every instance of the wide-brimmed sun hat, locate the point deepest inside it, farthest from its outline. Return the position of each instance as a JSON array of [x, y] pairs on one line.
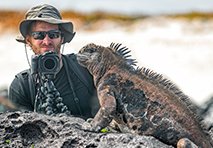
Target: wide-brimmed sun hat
[[49, 14]]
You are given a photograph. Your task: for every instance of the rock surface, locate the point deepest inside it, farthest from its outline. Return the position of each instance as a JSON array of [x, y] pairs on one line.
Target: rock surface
[[29, 129]]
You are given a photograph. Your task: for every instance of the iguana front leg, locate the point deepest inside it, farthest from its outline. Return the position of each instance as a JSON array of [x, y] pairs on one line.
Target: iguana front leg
[[106, 112]]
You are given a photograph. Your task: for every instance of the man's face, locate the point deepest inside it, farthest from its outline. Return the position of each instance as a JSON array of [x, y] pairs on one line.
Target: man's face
[[40, 46]]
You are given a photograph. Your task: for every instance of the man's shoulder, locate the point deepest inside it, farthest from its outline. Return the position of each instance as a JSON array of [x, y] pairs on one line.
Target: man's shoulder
[[26, 71], [72, 59], [23, 74], [20, 79], [71, 55]]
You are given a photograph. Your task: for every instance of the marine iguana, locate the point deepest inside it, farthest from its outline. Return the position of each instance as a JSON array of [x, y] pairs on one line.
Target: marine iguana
[[140, 99]]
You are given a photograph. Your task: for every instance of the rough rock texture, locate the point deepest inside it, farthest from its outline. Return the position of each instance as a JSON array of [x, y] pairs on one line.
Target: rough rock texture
[[30, 129]]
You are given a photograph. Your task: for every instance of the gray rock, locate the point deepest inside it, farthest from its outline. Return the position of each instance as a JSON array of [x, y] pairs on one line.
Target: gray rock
[[18, 129]]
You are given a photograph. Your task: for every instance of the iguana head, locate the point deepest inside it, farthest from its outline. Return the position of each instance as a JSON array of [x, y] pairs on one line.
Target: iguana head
[[88, 54], [96, 57]]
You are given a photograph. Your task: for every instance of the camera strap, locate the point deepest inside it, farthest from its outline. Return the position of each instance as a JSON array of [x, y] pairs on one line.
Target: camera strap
[[80, 71], [72, 88]]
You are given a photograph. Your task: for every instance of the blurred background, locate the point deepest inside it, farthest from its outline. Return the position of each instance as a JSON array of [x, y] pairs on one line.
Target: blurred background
[[174, 38]]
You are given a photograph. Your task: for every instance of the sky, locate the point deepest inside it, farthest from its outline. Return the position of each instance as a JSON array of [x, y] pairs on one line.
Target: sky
[[129, 7]]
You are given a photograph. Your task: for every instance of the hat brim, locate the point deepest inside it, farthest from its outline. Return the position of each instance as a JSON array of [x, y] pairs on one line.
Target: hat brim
[[67, 26]]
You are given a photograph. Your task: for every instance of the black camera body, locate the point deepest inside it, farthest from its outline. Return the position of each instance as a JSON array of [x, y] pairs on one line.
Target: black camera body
[[47, 64]]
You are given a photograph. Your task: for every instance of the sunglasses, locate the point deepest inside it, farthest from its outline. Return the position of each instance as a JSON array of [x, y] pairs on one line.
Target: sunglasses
[[40, 35]]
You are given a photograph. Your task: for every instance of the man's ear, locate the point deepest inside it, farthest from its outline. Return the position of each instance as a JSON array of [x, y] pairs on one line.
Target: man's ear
[[27, 39], [62, 39]]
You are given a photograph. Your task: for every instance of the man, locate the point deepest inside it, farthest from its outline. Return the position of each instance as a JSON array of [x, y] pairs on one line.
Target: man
[[44, 30]]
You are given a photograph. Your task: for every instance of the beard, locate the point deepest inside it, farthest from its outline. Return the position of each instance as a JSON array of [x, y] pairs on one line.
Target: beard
[[54, 48], [37, 50]]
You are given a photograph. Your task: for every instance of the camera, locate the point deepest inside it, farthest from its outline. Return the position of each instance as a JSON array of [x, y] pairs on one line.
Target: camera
[[47, 64]]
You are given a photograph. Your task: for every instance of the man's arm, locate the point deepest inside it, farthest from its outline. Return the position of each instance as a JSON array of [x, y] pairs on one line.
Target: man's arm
[[94, 103], [18, 95]]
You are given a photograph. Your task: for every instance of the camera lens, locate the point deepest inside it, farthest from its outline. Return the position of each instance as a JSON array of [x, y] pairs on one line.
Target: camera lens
[[49, 64]]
